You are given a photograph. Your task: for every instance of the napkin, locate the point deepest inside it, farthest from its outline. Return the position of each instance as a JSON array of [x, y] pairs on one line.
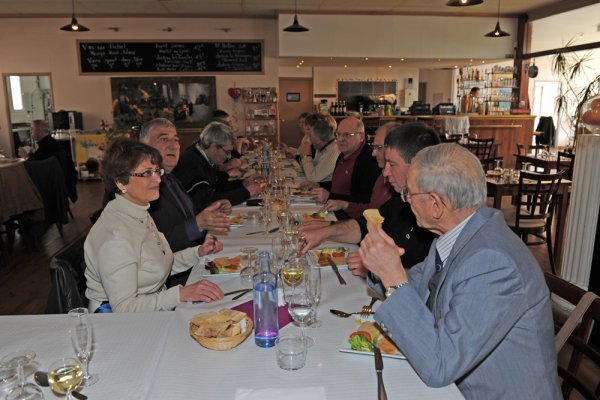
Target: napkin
[[248, 308], [303, 393]]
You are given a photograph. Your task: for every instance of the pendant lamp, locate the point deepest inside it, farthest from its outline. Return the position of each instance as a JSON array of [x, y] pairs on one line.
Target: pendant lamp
[[74, 26], [463, 3], [497, 32], [295, 27]]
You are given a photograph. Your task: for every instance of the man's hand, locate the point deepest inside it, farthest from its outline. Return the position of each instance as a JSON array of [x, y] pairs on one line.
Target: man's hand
[[310, 238], [254, 178], [203, 290], [225, 206], [319, 195], [335, 205], [380, 255], [213, 218], [308, 185], [355, 265], [24, 151], [211, 245]]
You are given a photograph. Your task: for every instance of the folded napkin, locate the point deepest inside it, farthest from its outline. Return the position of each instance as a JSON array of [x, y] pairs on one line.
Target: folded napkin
[[248, 308], [301, 393]]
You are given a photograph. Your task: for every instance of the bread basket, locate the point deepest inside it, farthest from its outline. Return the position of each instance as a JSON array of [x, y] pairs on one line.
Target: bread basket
[[222, 343]]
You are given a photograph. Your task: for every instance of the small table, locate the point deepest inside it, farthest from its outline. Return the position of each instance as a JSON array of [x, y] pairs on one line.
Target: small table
[[498, 188], [18, 193]]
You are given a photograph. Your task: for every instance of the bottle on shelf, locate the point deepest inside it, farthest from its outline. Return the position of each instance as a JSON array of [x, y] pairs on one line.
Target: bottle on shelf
[[266, 312]]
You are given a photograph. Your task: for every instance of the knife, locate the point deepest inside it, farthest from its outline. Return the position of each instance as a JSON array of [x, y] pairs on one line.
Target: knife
[[271, 231], [240, 291], [381, 394], [336, 270]]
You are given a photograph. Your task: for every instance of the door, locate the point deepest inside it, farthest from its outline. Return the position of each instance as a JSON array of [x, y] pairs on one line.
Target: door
[[295, 97]]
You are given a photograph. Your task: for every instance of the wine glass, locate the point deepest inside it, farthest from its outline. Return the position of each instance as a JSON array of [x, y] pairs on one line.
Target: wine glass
[[291, 276], [266, 217], [65, 375], [301, 308], [24, 390], [81, 337], [249, 267], [313, 280]]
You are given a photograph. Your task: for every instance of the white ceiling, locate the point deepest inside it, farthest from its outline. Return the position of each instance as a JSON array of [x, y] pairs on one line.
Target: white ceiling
[[271, 8]]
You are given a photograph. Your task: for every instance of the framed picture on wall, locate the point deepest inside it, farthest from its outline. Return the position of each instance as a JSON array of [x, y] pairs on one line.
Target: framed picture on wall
[[293, 97], [188, 102]]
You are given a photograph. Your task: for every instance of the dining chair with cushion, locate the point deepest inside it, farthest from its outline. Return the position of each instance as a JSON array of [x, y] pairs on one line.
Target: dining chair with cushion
[[575, 312], [533, 208], [67, 270], [482, 148], [565, 161]]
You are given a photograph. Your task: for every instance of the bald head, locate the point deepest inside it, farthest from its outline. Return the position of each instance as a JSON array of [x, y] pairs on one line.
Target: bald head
[[350, 135]]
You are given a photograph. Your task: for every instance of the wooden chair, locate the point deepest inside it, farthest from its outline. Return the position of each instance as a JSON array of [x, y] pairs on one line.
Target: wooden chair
[[482, 148], [565, 161], [536, 149], [67, 269], [489, 164], [534, 208], [578, 361]]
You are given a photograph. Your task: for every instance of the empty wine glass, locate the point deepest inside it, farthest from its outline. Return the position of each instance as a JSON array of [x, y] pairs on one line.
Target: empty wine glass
[[65, 375], [81, 337], [301, 309], [313, 280], [249, 265], [24, 390], [266, 217]]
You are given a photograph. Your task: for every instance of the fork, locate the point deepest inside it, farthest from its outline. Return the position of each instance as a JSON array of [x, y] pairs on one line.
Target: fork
[[368, 310]]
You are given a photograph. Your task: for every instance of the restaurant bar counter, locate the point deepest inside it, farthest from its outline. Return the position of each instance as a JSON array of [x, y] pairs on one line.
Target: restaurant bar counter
[[152, 356]]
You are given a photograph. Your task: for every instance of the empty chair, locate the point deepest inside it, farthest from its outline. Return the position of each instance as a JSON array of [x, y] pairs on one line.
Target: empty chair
[[489, 164], [534, 207], [47, 175], [565, 161], [67, 270], [482, 148], [578, 361]]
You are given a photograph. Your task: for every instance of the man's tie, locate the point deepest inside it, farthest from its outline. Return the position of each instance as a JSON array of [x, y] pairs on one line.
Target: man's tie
[[435, 280]]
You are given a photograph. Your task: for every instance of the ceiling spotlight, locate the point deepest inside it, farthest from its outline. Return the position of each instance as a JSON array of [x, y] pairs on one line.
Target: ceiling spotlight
[[113, 28], [74, 25], [497, 32], [463, 3], [295, 26]]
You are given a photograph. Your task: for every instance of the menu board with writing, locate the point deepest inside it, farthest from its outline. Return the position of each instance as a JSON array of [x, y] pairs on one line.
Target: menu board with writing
[[170, 57]]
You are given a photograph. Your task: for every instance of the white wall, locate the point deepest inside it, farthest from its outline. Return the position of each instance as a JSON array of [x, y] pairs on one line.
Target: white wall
[[439, 84]]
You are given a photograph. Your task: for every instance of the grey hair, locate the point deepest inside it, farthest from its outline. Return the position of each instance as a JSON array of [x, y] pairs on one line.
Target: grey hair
[[453, 172], [323, 125], [42, 125], [148, 126], [217, 133]]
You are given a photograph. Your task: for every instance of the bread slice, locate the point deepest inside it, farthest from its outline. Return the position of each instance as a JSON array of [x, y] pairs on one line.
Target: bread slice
[[387, 346], [233, 315], [372, 215]]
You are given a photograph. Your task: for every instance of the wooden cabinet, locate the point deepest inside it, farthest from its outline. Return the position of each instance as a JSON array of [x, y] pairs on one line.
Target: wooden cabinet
[[261, 115]]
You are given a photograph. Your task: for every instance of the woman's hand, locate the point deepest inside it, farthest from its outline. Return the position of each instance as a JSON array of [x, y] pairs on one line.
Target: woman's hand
[[203, 290], [211, 245]]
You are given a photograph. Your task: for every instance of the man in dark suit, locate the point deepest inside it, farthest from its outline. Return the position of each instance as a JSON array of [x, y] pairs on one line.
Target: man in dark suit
[[199, 175]]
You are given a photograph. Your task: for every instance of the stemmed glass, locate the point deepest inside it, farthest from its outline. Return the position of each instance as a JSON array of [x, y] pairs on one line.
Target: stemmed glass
[[65, 375], [301, 308], [249, 267], [266, 217], [24, 390], [81, 337], [313, 280]]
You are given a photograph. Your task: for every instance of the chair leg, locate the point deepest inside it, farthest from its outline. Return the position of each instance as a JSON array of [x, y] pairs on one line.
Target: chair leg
[[550, 252]]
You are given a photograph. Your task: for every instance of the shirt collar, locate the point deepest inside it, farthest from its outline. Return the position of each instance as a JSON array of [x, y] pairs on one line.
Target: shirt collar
[[354, 154], [445, 243]]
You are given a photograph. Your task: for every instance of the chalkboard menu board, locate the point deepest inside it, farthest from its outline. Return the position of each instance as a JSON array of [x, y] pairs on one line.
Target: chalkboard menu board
[[170, 57]]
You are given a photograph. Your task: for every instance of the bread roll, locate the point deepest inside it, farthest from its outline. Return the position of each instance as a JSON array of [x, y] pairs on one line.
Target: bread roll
[[372, 215]]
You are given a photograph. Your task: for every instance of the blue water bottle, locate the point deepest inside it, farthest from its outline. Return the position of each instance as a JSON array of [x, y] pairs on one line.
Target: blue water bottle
[[266, 313]]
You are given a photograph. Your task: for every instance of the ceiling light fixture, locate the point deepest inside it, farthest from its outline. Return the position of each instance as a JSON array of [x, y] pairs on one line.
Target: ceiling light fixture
[[74, 25], [295, 27], [463, 3], [497, 32]]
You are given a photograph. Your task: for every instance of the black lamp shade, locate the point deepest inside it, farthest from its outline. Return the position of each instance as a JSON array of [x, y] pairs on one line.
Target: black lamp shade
[[74, 26], [463, 3], [296, 27], [497, 32]]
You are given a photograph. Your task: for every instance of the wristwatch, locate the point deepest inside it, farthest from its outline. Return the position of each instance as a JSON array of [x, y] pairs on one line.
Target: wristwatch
[[392, 289]]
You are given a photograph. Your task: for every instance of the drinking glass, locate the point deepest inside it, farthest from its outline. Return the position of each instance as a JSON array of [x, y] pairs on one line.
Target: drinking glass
[[82, 339], [313, 280], [266, 218], [24, 390], [65, 375], [249, 267], [301, 309], [291, 352]]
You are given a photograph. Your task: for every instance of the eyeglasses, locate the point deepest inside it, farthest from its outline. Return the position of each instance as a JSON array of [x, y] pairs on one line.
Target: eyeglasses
[[149, 173], [227, 152], [345, 135], [377, 147], [405, 195]]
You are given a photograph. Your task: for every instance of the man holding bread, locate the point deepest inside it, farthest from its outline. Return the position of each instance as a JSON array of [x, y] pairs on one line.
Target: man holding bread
[[476, 312], [401, 144]]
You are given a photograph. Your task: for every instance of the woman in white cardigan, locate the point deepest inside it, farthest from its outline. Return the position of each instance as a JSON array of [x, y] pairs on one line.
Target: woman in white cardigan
[[128, 260]]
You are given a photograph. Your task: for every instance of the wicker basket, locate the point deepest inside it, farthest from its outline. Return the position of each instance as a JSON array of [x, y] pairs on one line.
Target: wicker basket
[[224, 343]]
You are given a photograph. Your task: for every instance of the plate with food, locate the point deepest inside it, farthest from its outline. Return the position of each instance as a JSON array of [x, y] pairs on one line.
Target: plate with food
[[224, 265], [317, 216], [236, 221], [368, 336], [339, 255]]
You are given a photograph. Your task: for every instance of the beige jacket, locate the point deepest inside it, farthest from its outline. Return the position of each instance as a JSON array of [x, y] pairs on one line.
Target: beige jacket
[[320, 169], [126, 264]]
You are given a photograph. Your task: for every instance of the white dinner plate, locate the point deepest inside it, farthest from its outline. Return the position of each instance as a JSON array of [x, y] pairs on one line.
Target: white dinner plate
[[368, 353]]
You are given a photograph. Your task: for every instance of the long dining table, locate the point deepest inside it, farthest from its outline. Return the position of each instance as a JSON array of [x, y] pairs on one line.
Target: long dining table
[[153, 356]]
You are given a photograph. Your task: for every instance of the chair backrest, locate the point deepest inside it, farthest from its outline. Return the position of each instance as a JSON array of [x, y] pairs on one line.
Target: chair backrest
[[489, 164], [67, 269], [482, 148], [525, 149], [565, 161], [577, 330], [536, 194], [47, 175]]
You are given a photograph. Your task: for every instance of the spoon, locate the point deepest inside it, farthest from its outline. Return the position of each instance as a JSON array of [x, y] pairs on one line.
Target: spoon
[[41, 378], [344, 314]]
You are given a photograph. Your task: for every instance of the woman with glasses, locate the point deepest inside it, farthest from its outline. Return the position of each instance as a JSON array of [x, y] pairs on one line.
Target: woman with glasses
[[128, 260]]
